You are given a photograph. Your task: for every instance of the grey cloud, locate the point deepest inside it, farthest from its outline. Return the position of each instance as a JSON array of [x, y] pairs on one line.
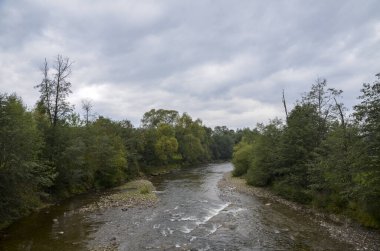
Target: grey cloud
[[224, 61]]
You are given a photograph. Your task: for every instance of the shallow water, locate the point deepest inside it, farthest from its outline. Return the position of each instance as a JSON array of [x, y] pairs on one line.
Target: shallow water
[[58, 227], [192, 214]]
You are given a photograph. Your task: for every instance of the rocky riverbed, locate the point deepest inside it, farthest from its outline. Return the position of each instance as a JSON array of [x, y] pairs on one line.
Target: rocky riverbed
[[204, 208], [198, 208], [337, 226], [138, 193]]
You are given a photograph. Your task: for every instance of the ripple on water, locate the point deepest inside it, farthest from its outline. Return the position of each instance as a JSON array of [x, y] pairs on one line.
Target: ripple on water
[[186, 229], [212, 213], [164, 233]]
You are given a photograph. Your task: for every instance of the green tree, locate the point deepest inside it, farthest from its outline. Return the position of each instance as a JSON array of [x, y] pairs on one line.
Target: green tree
[[154, 118], [23, 177], [107, 154], [301, 136], [367, 163], [222, 143], [192, 140], [166, 147], [330, 172], [242, 158], [266, 152]]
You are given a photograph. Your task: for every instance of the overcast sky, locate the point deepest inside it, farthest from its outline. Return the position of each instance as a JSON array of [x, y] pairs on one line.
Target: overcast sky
[[225, 62]]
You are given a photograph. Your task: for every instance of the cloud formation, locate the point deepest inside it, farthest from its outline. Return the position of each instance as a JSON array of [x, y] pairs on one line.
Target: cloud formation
[[225, 62]]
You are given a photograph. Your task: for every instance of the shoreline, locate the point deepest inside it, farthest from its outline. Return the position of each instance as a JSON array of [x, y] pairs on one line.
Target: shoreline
[[136, 193], [338, 227]]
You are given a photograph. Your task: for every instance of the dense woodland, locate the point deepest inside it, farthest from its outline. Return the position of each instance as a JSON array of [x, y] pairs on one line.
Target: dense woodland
[[50, 152], [321, 155]]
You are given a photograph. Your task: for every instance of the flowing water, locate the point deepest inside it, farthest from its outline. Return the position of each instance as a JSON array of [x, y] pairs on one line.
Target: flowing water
[[192, 214]]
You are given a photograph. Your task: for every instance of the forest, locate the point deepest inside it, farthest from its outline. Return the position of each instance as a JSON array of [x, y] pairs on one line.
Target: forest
[[50, 152], [321, 155]]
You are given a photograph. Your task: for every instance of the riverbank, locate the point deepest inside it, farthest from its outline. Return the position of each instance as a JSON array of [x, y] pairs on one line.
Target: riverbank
[[191, 213], [159, 170], [338, 227], [132, 194]]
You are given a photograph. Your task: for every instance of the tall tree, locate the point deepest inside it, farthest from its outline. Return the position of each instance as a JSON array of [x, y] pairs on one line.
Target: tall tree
[[55, 89], [367, 115], [367, 161], [23, 176]]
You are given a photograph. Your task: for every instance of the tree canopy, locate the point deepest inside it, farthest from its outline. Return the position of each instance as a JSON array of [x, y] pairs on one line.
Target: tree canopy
[[50, 153], [320, 155]]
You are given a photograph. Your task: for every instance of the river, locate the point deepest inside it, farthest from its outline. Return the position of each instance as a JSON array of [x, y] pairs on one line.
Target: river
[[192, 214]]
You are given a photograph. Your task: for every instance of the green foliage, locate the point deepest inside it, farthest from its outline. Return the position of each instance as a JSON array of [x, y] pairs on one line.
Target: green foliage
[[222, 142], [23, 177], [366, 175], [191, 149], [300, 137], [193, 140], [266, 152], [50, 153], [154, 118], [242, 158], [107, 154], [166, 148], [320, 157], [330, 172]]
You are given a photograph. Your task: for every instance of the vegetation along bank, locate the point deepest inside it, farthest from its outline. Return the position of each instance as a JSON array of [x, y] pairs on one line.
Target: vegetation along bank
[[50, 152], [320, 155]]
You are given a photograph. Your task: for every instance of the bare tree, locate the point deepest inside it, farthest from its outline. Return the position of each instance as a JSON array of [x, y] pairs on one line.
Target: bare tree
[[319, 97], [284, 103], [87, 106], [325, 101], [55, 90], [61, 88], [339, 107]]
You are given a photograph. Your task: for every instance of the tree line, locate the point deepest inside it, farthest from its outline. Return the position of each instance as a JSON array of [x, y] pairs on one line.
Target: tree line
[[320, 155], [50, 152]]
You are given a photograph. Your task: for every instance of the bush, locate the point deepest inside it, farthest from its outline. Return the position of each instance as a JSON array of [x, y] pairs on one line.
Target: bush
[[241, 158], [291, 192], [258, 175]]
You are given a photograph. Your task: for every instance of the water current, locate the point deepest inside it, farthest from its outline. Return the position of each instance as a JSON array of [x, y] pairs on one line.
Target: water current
[[193, 213]]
